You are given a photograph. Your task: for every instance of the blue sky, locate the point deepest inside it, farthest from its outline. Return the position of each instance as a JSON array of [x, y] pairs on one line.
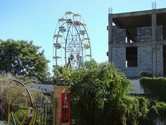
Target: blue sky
[[37, 19]]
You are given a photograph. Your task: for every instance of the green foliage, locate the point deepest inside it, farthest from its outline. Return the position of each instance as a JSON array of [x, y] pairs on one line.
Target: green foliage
[[61, 76], [154, 87], [22, 58], [135, 109], [158, 111], [100, 95], [155, 90]]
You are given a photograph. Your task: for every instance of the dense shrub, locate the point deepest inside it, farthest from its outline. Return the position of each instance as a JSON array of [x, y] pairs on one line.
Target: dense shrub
[[155, 88], [100, 95]]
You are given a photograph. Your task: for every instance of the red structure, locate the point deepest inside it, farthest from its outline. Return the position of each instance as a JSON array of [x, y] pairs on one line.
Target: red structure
[[65, 108]]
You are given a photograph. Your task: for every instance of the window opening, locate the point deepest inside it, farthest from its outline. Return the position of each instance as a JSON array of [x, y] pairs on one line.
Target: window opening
[[131, 56]]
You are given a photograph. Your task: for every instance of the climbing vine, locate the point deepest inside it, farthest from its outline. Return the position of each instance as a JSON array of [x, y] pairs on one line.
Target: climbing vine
[[155, 90], [154, 87]]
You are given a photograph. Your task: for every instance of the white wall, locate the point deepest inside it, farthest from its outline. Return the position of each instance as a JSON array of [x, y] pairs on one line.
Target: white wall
[[42, 87]]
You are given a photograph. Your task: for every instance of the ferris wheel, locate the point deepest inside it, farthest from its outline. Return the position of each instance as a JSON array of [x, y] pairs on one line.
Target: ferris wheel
[[71, 42]]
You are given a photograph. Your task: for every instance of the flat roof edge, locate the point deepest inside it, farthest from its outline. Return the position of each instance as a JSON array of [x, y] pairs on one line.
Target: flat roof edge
[[137, 13]]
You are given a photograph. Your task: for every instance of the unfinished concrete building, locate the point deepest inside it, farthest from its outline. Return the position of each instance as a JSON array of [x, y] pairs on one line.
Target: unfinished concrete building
[[137, 42]]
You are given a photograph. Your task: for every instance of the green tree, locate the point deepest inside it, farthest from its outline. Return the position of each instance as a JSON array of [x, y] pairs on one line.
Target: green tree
[[22, 58], [62, 76], [100, 95]]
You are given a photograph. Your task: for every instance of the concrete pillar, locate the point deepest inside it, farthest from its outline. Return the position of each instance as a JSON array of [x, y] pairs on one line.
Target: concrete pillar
[[109, 28], [154, 27]]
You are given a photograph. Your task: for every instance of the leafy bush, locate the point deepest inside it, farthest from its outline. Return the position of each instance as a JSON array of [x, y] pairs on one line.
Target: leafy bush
[[154, 87], [100, 95], [157, 111]]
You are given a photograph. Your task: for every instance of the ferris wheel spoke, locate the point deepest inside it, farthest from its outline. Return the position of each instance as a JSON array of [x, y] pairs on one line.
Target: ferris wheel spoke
[[25, 107], [18, 98], [25, 114], [20, 121]]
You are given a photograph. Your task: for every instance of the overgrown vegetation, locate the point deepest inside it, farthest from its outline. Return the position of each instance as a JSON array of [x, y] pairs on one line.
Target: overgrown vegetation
[[100, 96], [4, 94], [154, 89], [27, 63], [98, 90]]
